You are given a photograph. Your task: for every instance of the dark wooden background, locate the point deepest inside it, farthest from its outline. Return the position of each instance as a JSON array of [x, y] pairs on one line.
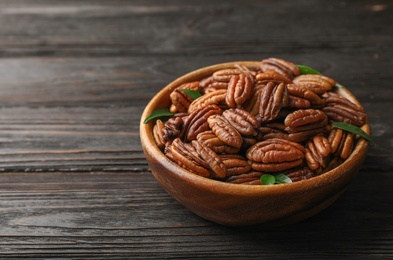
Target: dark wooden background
[[75, 77]]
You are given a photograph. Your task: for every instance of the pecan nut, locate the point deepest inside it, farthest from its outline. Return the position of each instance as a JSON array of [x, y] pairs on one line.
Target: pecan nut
[[209, 139], [215, 163], [181, 100], [185, 155], [225, 131], [245, 123], [250, 178], [283, 67], [197, 123], [158, 134], [340, 109], [239, 90], [275, 154], [211, 98], [317, 152], [273, 98], [271, 76], [305, 93], [302, 174], [319, 84], [304, 120], [341, 142], [235, 164], [173, 127]]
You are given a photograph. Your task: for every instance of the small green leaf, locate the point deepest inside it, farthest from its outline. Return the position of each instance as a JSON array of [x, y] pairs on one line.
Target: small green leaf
[[281, 178], [159, 112], [192, 93], [353, 129], [267, 179], [339, 85], [307, 70]]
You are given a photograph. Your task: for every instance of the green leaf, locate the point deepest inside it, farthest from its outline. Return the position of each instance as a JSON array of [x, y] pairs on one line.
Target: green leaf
[[307, 70], [281, 178], [353, 129], [159, 112], [267, 179], [192, 93]]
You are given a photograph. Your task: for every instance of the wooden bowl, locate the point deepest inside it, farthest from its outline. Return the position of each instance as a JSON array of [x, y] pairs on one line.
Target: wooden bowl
[[237, 204]]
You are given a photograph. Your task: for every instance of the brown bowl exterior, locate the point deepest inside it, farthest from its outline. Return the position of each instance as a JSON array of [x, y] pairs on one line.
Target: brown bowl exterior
[[240, 205]]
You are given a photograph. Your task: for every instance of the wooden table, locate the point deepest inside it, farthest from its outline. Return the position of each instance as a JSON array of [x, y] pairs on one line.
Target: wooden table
[[75, 77]]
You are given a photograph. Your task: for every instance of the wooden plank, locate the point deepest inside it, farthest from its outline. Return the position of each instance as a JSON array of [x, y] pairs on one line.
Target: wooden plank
[[86, 28], [109, 215]]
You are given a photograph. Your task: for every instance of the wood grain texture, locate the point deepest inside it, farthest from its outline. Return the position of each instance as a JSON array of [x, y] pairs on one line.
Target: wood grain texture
[[75, 77]]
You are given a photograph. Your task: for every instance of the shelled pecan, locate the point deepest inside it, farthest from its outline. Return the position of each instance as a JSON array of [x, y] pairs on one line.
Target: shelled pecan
[[302, 174], [239, 90], [273, 155], [341, 142], [197, 123], [304, 120], [250, 178], [211, 140], [225, 131], [283, 67], [273, 97], [317, 151], [305, 93], [186, 156], [158, 134], [180, 100], [341, 109], [317, 83], [235, 164], [211, 98], [245, 123], [271, 76]]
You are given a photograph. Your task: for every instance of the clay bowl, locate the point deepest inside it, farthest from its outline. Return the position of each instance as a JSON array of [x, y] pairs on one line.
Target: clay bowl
[[241, 205]]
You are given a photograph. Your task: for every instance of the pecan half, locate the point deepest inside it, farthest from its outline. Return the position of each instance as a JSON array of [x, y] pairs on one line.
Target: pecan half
[[158, 134], [181, 100], [271, 76], [273, 98], [275, 154], [235, 164], [245, 123], [209, 139], [283, 67], [253, 104], [239, 90], [197, 123], [250, 178], [305, 93], [225, 75], [319, 84], [225, 131], [209, 84], [305, 120], [173, 127], [340, 109], [302, 174], [298, 102], [341, 142], [211, 98], [211, 158], [185, 155], [317, 151]]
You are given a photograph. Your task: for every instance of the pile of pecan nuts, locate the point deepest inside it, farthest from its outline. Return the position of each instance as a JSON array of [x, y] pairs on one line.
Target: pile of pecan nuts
[[251, 121]]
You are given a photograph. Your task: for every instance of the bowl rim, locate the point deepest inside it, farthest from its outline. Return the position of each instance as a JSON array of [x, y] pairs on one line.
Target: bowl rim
[[150, 147]]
